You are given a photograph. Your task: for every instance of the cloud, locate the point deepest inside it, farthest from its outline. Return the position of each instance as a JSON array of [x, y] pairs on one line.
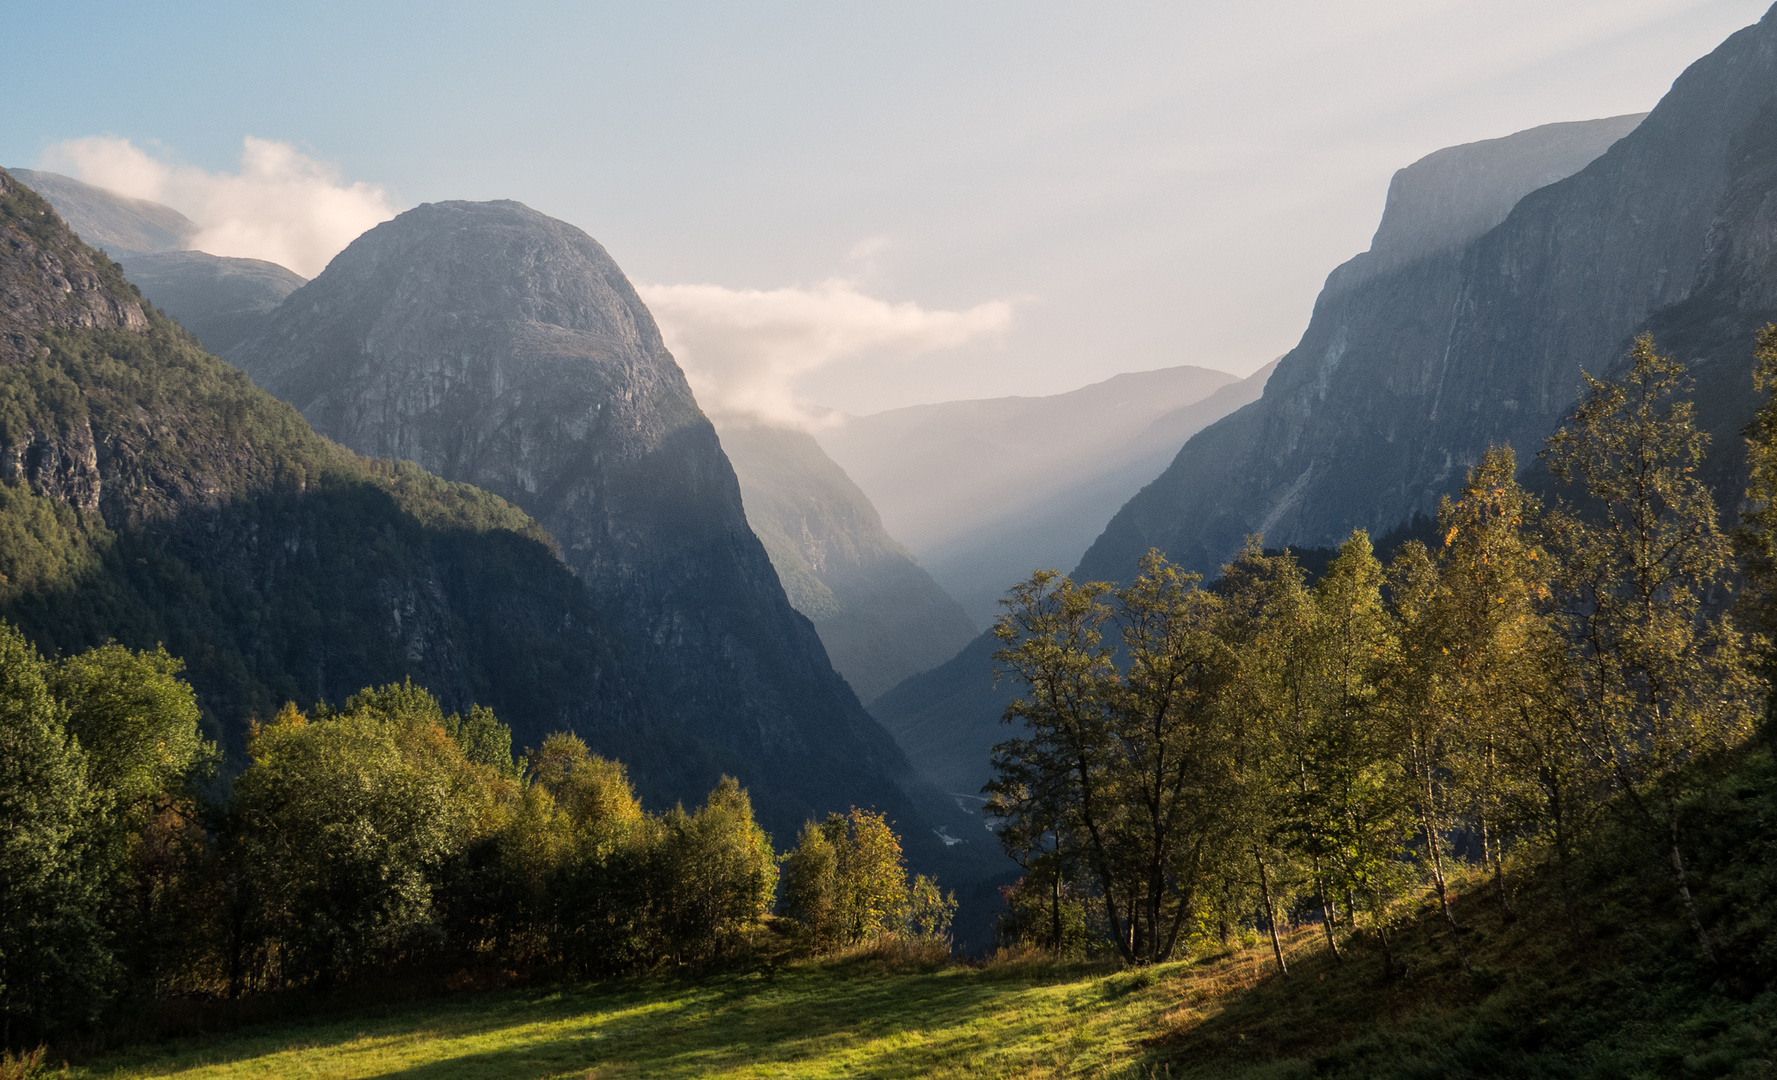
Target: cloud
[[282, 206], [744, 349]]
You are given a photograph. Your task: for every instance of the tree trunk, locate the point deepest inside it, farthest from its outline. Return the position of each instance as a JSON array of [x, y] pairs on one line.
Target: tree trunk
[[1492, 855], [1684, 893], [1437, 877], [1270, 914], [1055, 911], [1326, 911]]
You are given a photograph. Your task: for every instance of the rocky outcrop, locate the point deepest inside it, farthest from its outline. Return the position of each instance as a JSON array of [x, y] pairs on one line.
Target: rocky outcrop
[[49, 281], [879, 614], [499, 347]]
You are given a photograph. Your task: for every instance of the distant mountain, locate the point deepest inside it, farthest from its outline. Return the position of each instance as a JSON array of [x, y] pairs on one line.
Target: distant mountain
[[118, 224], [499, 347], [1331, 394], [986, 491], [880, 615], [219, 299]]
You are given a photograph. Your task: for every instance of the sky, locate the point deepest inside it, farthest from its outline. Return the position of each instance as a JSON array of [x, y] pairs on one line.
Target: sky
[[851, 206]]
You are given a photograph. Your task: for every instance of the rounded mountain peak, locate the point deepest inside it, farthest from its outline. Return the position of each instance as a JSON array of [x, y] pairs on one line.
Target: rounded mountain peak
[[481, 264]]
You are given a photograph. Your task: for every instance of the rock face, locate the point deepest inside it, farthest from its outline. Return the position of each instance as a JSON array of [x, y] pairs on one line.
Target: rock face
[[984, 492], [221, 300], [879, 614], [1364, 423], [50, 281], [1408, 372], [499, 347]]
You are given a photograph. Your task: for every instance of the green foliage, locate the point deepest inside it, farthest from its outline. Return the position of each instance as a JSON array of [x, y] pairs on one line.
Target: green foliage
[[345, 825], [136, 720], [1266, 747], [716, 876], [1129, 767], [846, 883], [55, 966]]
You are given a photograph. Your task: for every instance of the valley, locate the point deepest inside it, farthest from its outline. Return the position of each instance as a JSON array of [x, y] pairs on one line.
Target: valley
[[418, 669]]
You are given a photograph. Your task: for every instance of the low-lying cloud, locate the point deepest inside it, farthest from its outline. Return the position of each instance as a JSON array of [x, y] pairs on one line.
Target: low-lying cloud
[[744, 349], [282, 206]]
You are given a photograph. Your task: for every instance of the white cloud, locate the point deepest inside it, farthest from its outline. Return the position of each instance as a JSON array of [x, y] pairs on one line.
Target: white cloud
[[282, 206], [744, 349]]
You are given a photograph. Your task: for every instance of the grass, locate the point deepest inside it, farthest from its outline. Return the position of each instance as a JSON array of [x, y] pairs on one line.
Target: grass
[[842, 1017]]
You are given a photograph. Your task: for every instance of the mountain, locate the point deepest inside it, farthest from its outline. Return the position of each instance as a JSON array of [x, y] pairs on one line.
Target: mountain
[[499, 347], [985, 491], [118, 224], [879, 614], [1323, 399], [217, 298], [1408, 371], [221, 300], [150, 493]]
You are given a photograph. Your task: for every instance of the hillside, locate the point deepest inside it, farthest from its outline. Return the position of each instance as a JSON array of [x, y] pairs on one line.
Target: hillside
[[499, 347], [985, 491], [879, 614]]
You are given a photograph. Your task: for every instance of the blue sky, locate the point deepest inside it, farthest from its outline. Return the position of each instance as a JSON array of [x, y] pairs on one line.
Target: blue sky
[[1034, 194]]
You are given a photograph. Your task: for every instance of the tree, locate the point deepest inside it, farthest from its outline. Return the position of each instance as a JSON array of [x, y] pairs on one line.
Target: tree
[[1658, 682], [1500, 662], [1347, 808], [1139, 754], [717, 875], [137, 722], [1266, 621], [55, 966], [345, 825]]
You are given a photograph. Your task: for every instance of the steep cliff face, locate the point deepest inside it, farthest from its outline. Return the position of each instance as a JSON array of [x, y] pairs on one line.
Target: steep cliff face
[[879, 614], [149, 493], [499, 347], [1406, 375]]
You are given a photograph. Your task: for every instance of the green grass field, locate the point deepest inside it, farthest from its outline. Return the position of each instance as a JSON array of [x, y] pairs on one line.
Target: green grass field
[[815, 1019]]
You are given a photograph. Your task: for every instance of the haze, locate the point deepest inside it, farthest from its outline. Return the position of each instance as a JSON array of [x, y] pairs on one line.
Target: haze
[[858, 207]]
